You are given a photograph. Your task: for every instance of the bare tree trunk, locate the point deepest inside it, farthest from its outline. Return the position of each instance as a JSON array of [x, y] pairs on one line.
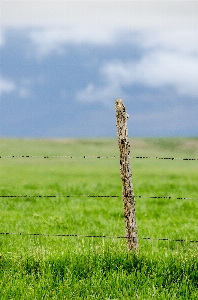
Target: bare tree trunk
[[126, 175]]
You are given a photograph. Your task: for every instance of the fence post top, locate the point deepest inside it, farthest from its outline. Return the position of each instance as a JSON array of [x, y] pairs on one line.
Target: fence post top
[[121, 110], [119, 103]]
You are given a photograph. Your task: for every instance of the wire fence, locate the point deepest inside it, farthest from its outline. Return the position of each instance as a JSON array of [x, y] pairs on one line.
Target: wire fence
[[88, 156], [97, 196], [95, 236]]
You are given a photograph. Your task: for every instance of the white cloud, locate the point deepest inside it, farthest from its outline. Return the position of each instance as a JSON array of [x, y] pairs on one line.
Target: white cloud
[[53, 23], [169, 59], [131, 14], [99, 21], [181, 41], [6, 86], [109, 14], [100, 94], [2, 38], [166, 32], [49, 40], [155, 70], [9, 86]]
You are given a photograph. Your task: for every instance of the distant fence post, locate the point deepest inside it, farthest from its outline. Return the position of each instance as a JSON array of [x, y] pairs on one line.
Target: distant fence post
[[126, 175]]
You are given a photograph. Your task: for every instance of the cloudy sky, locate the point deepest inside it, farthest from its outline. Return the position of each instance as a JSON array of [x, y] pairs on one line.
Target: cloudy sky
[[63, 64]]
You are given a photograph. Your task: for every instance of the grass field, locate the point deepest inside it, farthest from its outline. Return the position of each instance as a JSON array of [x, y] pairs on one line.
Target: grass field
[[52, 267]]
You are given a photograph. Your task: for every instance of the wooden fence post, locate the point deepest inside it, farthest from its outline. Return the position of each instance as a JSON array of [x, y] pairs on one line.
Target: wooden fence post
[[126, 175]]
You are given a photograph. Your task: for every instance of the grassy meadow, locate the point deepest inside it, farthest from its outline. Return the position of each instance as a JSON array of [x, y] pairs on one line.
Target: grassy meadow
[[60, 267]]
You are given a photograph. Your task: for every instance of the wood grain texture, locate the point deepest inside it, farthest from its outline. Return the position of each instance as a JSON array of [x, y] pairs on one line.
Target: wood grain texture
[[126, 175]]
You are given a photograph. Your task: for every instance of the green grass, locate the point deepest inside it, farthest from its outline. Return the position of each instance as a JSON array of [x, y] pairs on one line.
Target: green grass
[[51, 267]]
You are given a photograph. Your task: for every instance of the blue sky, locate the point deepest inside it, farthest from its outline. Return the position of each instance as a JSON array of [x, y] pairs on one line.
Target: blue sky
[[63, 64]]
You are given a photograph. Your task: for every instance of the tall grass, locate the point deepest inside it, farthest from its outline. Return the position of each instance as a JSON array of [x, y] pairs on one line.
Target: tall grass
[[51, 267]]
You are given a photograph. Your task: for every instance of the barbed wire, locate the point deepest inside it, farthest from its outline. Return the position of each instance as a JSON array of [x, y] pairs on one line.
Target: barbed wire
[[103, 157], [95, 196], [95, 236]]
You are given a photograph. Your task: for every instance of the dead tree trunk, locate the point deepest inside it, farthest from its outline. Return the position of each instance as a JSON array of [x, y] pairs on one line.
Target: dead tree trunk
[[126, 175]]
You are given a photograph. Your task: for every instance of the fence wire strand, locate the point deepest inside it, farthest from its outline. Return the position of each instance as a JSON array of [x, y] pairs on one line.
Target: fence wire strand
[[96, 196], [95, 236], [103, 157]]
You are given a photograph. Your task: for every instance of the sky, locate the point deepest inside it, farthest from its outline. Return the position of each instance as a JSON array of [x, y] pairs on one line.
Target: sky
[[63, 64]]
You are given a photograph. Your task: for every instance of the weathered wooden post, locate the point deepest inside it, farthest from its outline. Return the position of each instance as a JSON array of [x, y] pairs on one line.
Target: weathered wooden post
[[126, 175]]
